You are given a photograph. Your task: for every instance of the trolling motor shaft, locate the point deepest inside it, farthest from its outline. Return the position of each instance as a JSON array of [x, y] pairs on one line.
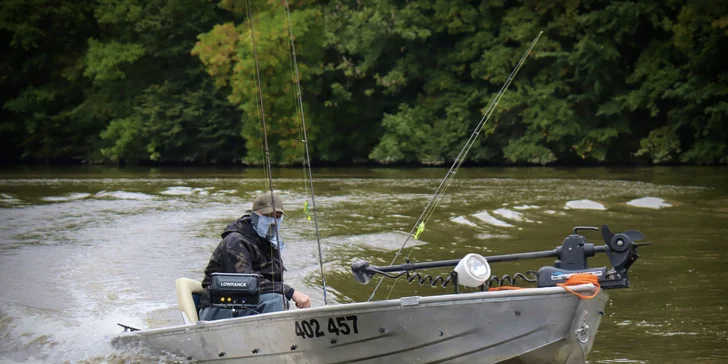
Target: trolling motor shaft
[[571, 258], [553, 253]]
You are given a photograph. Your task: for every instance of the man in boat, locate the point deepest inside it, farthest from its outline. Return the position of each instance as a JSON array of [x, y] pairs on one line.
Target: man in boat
[[251, 245]]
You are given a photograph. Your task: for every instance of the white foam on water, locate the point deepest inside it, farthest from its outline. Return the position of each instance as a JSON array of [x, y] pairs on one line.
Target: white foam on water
[[185, 190], [177, 191], [489, 219], [509, 214], [671, 333], [644, 323], [526, 207], [649, 203], [584, 205], [9, 199], [50, 336], [202, 191], [462, 220], [30, 360], [68, 197], [124, 195], [493, 236], [550, 212]]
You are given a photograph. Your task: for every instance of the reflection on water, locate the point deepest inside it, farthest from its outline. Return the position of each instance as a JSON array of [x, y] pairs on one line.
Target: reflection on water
[[84, 248]]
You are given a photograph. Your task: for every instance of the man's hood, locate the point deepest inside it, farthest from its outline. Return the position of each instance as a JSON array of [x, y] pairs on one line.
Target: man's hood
[[237, 226]]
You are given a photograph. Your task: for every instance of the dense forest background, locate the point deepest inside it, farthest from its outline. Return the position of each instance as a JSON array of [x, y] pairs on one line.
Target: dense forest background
[[389, 81]]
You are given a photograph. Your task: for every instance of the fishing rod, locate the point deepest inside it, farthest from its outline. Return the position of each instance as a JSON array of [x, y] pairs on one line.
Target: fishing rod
[[447, 180], [304, 140], [305, 143], [267, 166]]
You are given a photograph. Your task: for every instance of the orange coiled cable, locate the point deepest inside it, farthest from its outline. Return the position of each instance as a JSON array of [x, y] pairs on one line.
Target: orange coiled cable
[[581, 278]]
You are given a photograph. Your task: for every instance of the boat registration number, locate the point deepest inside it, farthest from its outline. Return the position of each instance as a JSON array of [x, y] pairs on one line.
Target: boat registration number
[[342, 325]]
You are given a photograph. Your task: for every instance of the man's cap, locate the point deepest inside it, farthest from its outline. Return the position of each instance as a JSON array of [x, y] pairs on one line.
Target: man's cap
[[262, 204]]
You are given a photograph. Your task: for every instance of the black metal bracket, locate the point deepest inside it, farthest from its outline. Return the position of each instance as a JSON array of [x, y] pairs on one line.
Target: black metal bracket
[[577, 228], [128, 328]]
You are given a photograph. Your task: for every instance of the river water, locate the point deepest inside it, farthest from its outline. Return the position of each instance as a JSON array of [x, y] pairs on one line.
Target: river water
[[85, 248]]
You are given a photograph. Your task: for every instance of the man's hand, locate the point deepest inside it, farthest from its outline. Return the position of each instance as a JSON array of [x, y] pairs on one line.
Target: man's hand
[[302, 301]]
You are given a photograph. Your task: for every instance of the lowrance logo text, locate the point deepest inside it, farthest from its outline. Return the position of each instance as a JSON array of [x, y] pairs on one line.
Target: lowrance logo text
[[234, 284]]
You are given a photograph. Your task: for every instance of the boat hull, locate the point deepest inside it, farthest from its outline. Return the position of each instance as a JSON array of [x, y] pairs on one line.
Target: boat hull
[[539, 325]]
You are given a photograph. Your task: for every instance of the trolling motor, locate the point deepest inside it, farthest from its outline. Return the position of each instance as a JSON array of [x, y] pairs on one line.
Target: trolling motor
[[474, 270]]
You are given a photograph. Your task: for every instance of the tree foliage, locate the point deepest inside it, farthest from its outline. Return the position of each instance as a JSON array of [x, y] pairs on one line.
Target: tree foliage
[[382, 80], [229, 54]]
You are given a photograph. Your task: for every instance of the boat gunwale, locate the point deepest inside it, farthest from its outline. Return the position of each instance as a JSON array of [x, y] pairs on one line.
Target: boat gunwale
[[361, 307]]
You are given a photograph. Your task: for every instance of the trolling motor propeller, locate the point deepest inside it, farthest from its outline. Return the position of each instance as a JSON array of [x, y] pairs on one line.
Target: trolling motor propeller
[[620, 242], [622, 249]]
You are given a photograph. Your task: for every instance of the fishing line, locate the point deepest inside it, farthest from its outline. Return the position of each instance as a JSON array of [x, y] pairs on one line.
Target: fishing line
[[301, 140], [305, 144], [260, 140], [267, 152], [258, 103], [301, 150], [447, 180]]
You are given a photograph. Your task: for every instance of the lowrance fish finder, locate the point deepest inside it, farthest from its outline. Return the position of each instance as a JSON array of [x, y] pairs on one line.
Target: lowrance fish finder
[[234, 290]]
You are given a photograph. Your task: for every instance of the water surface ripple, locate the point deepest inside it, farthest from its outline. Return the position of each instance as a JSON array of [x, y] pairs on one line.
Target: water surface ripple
[[83, 248]]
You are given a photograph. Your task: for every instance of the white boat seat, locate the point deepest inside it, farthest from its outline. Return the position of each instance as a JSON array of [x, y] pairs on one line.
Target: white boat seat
[[186, 288]]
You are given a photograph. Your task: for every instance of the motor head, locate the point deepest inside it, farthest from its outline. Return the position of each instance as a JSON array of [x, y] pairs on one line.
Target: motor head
[[360, 270]]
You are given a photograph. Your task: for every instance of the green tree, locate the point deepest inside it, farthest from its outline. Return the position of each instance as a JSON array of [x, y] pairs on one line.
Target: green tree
[[160, 104], [574, 100], [42, 82], [228, 54], [390, 81], [682, 81]]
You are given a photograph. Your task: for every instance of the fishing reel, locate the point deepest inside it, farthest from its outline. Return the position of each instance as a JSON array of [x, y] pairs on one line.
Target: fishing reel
[[474, 270]]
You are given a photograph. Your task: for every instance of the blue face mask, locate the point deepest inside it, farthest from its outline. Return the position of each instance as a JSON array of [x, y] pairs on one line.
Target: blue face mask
[[267, 228]]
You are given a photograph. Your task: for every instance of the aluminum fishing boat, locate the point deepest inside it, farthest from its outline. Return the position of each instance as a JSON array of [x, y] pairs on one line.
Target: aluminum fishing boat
[[544, 324]]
